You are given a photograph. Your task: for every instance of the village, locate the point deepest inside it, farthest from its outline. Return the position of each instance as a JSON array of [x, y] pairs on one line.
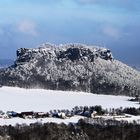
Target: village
[[92, 114]]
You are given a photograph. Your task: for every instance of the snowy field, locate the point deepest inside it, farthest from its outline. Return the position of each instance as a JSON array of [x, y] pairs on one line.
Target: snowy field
[[19, 100]]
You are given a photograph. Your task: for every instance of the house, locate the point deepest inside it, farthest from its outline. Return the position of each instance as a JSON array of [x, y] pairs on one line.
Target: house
[[29, 114], [41, 114], [12, 114], [93, 114]]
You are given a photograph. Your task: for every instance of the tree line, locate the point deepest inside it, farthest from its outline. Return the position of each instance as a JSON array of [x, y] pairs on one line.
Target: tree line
[[79, 131]]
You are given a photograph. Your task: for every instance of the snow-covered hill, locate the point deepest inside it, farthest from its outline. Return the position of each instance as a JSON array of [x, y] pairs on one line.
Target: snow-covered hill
[[71, 67]]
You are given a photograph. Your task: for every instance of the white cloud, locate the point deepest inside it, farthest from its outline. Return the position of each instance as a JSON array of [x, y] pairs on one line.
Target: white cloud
[[27, 27], [111, 32]]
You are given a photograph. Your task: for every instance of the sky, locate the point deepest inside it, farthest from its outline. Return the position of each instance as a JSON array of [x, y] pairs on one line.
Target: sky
[[114, 24]]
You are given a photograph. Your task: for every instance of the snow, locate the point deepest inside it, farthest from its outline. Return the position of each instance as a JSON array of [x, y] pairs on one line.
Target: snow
[[14, 121], [130, 119], [18, 99]]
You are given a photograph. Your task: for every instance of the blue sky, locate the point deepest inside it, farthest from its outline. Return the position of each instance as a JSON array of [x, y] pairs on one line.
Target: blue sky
[[114, 24]]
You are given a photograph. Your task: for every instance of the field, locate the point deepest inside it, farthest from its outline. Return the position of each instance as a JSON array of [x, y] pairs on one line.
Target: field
[[18, 99]]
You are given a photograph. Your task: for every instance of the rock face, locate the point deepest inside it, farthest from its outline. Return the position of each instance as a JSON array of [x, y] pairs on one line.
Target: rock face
[[71, 67], [70, 52]]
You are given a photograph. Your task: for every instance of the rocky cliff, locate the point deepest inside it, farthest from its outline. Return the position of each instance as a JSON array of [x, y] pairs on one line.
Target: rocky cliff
[[71, 67]]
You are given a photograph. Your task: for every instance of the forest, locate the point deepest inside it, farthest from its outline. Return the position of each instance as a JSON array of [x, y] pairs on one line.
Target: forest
[[79, 131]]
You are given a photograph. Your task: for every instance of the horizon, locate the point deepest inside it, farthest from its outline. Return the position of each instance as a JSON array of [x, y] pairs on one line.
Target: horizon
[[113, 24]]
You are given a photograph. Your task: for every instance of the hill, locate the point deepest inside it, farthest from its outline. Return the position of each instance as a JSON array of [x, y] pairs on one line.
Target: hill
[[74, 67]]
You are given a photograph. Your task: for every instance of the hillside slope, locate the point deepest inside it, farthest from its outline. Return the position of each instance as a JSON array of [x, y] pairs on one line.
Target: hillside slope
[[71, 67]]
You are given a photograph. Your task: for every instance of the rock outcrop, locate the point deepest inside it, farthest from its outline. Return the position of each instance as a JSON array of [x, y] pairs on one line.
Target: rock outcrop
[[71, 67], [73, 52]]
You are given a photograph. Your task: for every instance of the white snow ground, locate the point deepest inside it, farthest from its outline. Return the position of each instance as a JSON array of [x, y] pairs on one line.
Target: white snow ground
[[18, 99], [14, 121]]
